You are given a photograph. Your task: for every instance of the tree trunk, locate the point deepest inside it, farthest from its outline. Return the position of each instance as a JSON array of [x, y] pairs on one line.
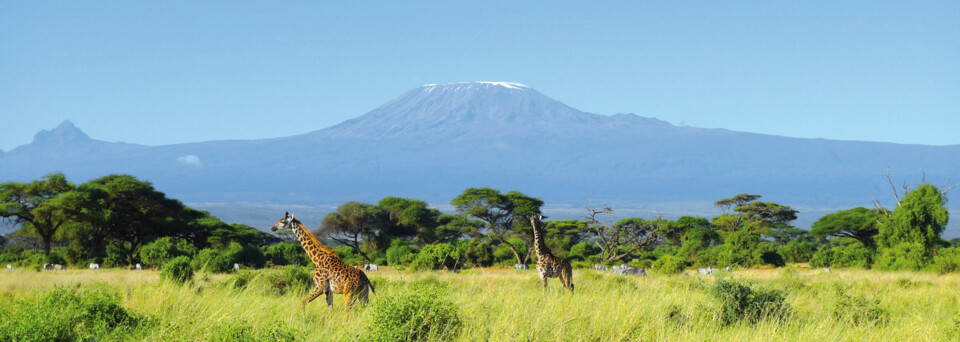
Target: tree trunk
[[46, 245]]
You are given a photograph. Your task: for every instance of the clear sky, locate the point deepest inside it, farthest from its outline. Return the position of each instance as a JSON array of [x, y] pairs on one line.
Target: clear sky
[[168, 72]]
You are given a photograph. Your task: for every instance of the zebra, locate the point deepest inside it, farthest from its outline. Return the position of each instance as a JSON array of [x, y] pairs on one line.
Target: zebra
[[371, 268], [236, 266], [139, 267], [48, 267], [625, 269], [94, 266], [706, 271], [10, 267], [521, 266], [59, 267], [599, 267]]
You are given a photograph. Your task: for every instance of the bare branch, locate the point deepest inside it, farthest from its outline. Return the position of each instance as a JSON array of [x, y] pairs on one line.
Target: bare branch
[[944, 192], [894, 188]]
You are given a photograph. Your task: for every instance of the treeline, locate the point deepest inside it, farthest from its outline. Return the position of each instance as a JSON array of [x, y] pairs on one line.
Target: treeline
[[118, 220]]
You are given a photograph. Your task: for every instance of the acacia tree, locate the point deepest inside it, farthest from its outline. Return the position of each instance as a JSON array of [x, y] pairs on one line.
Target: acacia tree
[[354, 222], [859, 223], [626, 236], [499, 212], [38, 206], [744, 212]]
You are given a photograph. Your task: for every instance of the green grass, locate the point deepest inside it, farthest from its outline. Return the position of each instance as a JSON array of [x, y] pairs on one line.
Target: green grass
[[509, 305]]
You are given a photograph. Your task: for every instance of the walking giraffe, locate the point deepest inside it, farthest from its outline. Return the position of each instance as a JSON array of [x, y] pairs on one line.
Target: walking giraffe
[[549, 266], [332, 275]]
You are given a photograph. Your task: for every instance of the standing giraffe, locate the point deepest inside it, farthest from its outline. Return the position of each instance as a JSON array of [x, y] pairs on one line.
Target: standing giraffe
[[332, 275], [549, 266]]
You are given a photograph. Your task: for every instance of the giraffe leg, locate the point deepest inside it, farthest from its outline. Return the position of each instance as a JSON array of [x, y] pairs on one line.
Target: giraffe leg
[[543, 279], [329, 295], [320, 287], [313, 295], [568, 279]]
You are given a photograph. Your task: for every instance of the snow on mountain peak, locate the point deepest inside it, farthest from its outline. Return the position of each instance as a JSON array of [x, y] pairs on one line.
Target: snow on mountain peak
[[466, 85]]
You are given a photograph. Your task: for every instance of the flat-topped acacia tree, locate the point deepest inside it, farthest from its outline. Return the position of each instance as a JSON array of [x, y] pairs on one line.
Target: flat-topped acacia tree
[[38, 206]]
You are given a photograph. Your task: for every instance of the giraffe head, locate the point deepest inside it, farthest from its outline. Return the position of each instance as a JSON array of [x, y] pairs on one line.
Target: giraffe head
[[287, 222]]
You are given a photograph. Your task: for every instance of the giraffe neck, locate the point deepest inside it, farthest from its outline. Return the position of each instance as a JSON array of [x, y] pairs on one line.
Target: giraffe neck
[[538, 243], [315, 250]]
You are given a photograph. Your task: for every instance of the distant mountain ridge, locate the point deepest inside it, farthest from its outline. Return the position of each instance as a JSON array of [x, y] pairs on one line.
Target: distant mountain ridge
[[434, 141]]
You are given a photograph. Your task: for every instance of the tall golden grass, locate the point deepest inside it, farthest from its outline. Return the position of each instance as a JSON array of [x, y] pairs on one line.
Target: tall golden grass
[[510, 305]]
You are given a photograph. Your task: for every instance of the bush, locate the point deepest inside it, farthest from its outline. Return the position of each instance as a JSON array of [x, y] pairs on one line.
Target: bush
[[178, 270], [948, 261], [437, 256], [210, 260], [295, 279], [287, 254], [905, 256], [66, 314], [245, 255], [399, 253], [479, 253], [582, 251], [851, 253], [164, 249], [856, 310], [773, 259], [739, 302], [116, 257], [798, 251], [669, 264], [420, 316]]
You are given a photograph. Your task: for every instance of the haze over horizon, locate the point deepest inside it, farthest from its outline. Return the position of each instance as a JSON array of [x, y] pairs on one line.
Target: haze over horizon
[[180, 72]]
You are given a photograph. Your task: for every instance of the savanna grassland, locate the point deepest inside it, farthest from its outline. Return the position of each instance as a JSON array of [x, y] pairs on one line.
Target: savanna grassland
[[484, 304]]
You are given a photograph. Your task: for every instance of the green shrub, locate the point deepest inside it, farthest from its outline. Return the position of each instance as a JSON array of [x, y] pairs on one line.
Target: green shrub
[[244, 255], [797, 251], [414, 316], [399, 253], [162, 250], [236, 331], [850, 253], [947, 261], [287, 254], [741, 303], [479, 253], [211, 260], [904, 256], [290, 279], [116, 257], [583, 250], [437, 256], [66, 314], [178, 270], [856, 310], [773, 259], [669, 264]]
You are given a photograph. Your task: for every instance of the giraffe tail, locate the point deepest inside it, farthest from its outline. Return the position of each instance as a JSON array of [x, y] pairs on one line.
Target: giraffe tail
[[370, 284]]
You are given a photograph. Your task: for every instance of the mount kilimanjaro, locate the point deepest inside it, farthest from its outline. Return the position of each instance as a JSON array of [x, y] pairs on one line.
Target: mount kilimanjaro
[[433, 142]]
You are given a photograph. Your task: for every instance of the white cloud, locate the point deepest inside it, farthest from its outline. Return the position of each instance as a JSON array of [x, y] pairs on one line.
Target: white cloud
[[190, 159]]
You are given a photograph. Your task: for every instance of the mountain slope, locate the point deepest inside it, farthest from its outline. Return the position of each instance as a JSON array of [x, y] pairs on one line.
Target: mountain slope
[[434, 141]]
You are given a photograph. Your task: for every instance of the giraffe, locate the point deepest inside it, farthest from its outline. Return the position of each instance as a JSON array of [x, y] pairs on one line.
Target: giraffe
[[549, 266], [332, 275]]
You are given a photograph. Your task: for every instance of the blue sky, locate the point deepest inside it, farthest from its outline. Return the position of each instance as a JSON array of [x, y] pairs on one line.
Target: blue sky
[[174, 72]]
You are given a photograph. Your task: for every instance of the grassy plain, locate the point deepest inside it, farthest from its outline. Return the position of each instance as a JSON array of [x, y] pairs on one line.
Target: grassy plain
[[509, 305]]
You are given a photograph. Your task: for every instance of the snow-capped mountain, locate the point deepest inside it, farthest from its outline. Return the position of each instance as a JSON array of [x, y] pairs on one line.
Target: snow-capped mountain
[[434, 141]]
